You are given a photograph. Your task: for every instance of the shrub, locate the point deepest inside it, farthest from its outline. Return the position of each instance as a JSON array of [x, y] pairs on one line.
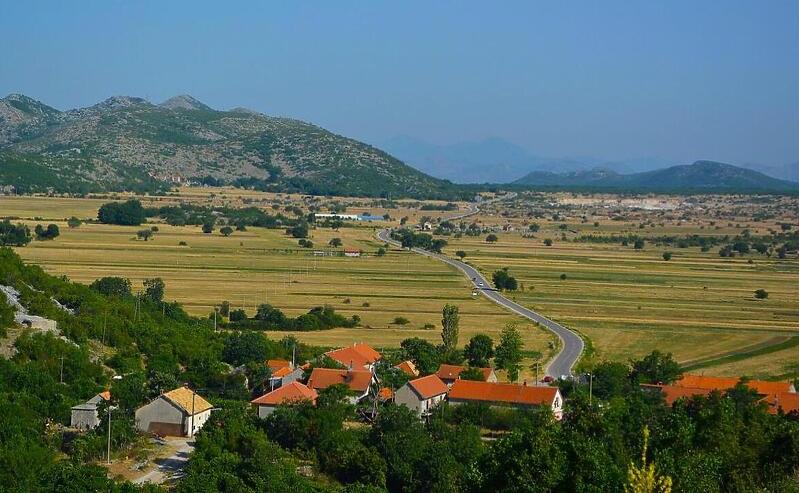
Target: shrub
[[761, 294], [401, 321]]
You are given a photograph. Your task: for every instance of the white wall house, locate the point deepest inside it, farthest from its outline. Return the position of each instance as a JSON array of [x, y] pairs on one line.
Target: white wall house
[[422, 394]]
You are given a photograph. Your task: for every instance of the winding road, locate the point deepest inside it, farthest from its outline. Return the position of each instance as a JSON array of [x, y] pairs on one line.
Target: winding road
[[571, 344]]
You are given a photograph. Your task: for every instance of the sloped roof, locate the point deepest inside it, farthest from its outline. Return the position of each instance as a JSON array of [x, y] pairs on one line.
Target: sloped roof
[[282, 372], [787, 401], [182, 398], [509, 393], [428, 387], [289, 393], [356, 380], [275, 364], [385, 394], [673, 393], [359, 355], [453, 372], [725, 383], [408, 368]]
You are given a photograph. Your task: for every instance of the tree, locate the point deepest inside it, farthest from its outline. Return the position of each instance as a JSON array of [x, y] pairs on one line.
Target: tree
[[666, 256], [504, 281], [563, 277], [245, 347], [238, 315], [130, 213], [224, 309], [761, 294], [472, 373], [639, 244], [610, 379], [335, 242], [534, 227], [74, 222], [208, 227], [112, 286], [144, 234], [509, 351], [381, 252], [449, 324], [479, 350], [226, 230], [423, 354], [644, 478], [14, 235], [300, 230], [49, 233], [461, 254], [492, 238], [154, 289], [656, 368], [547, 242]]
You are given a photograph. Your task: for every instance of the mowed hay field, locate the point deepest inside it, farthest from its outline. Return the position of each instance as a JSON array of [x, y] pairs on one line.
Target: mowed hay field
[[261, 265], [629, 302]]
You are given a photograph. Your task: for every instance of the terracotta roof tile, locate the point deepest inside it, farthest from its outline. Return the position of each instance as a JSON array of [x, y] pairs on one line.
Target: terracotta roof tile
[[357, 380], [725, 383], [359, 355], [408, 368], [182, 397], [429, 386], [385, 394], [275, 364], [673, 393], [282, 372], [787, 401], [453, 372], [289, 393], [468, 390]]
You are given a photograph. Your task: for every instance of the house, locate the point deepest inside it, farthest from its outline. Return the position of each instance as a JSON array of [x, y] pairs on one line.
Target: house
[[724, 383], [449, 373], [422, 394], [408, 368], [358, 356], [343, 217], [506, 394], [786, 402], [673, 393], [291, 393], [86, 416], [385, 394], [358, 381], [179, 412], [351, 252]]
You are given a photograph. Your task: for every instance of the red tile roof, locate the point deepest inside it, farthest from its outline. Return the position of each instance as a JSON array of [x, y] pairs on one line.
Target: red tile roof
[[787, 401], [385, 394], [357, 380], [673, 393], [408, 368], [106, 394], [725, 383], [281, 372], [428, 387], [289, 393], [359, 355], [453, 372], [275, 364], [509, 393]]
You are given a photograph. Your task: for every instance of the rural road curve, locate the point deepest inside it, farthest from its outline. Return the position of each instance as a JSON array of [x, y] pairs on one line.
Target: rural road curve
[[571, 344]]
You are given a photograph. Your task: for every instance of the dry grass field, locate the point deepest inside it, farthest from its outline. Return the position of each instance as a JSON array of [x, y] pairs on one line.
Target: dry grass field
[[261, 265], [628, 302]]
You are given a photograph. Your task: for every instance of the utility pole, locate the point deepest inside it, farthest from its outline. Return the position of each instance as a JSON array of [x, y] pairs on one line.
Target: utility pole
[[108, 457], [590, 389], [62, 369]]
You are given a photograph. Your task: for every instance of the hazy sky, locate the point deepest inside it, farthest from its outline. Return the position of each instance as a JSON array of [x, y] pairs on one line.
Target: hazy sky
[[669, 79]]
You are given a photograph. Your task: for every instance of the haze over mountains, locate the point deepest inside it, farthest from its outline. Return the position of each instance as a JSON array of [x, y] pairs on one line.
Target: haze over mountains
[[494, 160]]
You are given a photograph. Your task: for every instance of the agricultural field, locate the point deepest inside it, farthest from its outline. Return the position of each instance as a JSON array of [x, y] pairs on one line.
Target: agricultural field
[[627, 301], [266, 265]]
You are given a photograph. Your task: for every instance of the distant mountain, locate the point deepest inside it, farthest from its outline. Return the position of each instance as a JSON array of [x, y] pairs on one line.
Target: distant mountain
[[701, 175], [128, 143], [495, 160]]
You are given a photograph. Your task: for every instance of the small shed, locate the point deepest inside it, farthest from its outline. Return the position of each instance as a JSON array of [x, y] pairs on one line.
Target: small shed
[[86, 416]]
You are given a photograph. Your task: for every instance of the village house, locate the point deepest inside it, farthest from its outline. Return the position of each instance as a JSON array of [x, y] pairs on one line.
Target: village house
[[408, 368], [86, 416], [506, 394], [358, 356], [282, 372], [358, 381], [179, 412], [291, 393], [449, 373], [422, 394], [351, 252]]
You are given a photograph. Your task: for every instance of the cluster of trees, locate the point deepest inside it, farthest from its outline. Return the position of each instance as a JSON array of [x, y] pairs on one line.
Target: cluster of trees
[[49, 233], [197, 215], [410, 239], [128, 213], [14, 234], [267, 317], [504, 281]]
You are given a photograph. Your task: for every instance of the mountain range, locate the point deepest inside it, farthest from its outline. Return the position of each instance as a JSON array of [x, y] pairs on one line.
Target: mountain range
[[699, 176], [130, 143], [495, 160]]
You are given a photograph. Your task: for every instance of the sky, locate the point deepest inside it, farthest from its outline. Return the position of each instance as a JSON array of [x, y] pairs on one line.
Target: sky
[[677, 80]]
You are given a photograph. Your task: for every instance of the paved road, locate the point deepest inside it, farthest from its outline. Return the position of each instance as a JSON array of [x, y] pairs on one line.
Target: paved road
[[571, 343]]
